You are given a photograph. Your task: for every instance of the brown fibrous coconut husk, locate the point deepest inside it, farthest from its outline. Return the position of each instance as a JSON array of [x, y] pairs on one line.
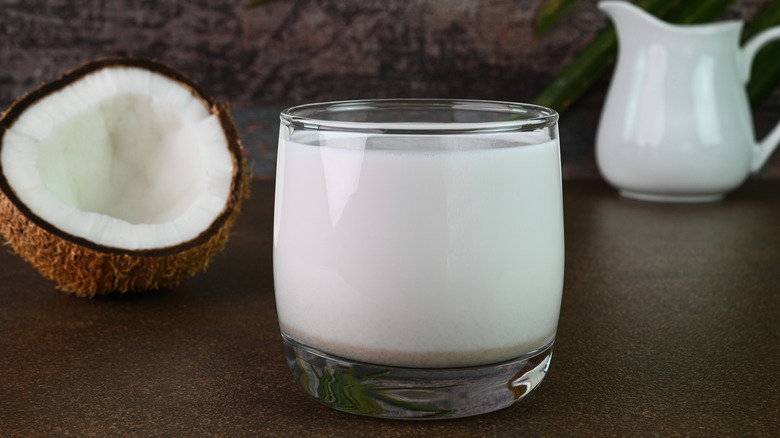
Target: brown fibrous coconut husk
[[87, 269]]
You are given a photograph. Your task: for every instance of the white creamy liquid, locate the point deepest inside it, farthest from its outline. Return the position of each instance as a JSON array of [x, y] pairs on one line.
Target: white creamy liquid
[[418, 258]]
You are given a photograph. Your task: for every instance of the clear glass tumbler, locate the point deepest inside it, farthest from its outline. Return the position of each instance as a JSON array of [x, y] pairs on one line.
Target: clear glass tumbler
[[418, 253]]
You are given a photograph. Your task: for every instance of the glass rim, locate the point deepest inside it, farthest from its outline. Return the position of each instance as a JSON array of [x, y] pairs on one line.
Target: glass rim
[[519, 117]]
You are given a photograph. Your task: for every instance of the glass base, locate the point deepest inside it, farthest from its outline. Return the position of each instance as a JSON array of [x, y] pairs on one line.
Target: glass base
[[414, 393]]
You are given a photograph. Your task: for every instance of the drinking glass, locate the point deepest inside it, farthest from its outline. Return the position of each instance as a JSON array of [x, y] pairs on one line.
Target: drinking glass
[[418, 253]]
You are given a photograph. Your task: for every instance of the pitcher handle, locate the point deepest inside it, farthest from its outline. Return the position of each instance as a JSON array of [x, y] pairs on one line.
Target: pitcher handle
[[764, 148]]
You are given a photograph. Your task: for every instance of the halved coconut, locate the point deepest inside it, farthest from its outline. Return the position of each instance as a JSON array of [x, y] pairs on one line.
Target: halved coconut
[[122, 175]]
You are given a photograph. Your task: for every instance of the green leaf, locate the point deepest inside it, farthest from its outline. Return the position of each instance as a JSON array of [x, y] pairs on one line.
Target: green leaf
[[599, 56], [550, 12], [694, 12], [595, 60], [581, 73], [769, 17], [765, 75]]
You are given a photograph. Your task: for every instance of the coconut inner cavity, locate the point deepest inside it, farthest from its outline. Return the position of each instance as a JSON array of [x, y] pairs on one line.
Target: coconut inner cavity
[[127, 157], [123, 157]]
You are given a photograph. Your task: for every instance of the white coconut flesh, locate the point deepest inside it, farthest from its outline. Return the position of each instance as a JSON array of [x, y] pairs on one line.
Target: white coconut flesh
[[123, 157]]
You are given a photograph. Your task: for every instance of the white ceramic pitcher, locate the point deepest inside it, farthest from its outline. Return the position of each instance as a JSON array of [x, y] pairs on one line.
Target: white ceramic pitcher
[[676, 124]]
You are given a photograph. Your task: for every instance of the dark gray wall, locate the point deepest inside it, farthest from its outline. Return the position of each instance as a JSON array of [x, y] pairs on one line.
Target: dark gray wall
[[291, 51]]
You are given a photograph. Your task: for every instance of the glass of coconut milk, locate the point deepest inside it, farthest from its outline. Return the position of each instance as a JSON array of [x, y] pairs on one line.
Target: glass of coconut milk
[[418, 253]]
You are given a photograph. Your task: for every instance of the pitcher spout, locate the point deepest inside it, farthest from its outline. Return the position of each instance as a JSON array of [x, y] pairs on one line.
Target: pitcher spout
[[627, 17], [632, 20]]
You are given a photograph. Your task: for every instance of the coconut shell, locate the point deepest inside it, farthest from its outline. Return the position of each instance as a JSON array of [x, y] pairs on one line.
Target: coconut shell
[[87, 269]]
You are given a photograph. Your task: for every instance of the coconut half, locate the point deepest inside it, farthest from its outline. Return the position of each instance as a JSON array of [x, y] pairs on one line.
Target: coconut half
[[122, 175]]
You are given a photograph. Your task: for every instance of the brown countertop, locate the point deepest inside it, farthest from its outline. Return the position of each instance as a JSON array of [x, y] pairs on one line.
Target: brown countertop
[[669, 326]]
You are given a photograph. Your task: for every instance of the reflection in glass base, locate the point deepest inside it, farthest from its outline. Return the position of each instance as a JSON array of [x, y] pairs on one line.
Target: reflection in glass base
[[414, 393], [653, 197]]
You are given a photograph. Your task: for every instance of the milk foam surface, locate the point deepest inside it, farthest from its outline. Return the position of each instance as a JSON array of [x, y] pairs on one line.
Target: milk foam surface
[[417, 252]]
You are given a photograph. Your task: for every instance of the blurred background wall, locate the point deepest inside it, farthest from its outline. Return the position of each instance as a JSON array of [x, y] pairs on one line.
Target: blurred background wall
[[261, 59]]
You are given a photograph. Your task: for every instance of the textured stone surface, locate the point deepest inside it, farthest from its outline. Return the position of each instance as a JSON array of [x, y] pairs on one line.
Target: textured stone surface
[[293, 51]]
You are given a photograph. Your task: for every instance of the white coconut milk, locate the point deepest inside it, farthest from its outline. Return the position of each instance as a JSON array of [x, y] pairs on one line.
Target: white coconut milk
[[430, 257]]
